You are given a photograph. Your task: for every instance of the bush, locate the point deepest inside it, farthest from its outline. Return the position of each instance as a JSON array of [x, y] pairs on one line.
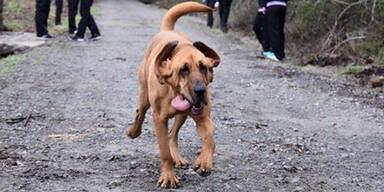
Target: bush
[[242, 15], [348, 26]]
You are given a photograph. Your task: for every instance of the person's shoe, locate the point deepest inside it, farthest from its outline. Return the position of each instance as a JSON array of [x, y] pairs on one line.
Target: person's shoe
[[46, 36], [72, 34], [265, 53], [95, 37], [272, 56], [76, 38], [224, 29]]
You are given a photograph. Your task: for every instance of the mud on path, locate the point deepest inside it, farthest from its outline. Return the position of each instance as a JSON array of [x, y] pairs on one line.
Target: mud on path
[[64, 111]]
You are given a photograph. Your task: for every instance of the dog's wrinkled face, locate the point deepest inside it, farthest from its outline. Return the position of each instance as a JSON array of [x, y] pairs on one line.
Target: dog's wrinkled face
[[189, 70]]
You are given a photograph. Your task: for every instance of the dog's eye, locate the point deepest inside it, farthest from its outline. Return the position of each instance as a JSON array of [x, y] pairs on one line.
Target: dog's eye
[[203, 68], [184, 71]]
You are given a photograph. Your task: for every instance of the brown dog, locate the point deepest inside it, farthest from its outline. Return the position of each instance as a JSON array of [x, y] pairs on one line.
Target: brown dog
[[174, 80]]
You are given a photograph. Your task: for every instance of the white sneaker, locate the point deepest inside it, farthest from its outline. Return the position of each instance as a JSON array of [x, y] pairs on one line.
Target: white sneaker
[[96, 37], [76, 38]]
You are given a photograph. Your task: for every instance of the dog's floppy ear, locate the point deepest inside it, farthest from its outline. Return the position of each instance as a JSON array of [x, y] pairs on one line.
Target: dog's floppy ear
[[162, 69], [208, 52]]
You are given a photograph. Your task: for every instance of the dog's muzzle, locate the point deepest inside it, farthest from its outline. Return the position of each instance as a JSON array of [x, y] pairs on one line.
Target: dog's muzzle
[[200, 100]]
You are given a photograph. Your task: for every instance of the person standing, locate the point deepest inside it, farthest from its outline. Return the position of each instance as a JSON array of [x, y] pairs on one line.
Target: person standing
[[73, 7], [276, 10], [59, 10], [41, 18], [86, 21], [260, 27], [224, 8]]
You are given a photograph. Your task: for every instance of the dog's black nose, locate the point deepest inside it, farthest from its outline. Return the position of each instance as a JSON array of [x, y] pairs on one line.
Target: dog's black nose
[[199, 89]]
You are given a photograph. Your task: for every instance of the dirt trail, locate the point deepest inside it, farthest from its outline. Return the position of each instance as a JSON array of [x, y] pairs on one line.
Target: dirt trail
[[63, 114]]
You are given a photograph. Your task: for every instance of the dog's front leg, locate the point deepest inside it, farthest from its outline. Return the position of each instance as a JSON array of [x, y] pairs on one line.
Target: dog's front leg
[[173, 141], [205, 129], [167, 178]]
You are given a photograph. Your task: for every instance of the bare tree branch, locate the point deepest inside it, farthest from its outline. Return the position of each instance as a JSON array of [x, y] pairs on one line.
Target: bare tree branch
[[373, 11]]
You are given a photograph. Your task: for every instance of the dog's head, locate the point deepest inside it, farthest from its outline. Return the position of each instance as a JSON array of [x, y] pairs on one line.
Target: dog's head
[[188, 69]]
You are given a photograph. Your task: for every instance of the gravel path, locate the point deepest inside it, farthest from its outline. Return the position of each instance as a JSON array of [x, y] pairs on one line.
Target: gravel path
[[65, 108]]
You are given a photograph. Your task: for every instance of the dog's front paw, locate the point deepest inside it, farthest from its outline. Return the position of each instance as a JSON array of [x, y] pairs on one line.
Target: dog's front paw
[[203, 164], [168, 180]]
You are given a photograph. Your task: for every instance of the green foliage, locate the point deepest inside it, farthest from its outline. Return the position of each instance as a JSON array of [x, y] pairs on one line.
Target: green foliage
[[94, 9], [12, 7], [9, 63], [353, 69], [310, 19], [12, 26]]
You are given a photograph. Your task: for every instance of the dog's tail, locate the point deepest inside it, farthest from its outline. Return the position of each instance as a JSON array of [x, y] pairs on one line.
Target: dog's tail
[[179, 10]]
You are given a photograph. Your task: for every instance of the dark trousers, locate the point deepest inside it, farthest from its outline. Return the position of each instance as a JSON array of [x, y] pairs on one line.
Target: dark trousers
[[73, 7], [224, 8], [41, 16], [86, 19], [261, 30], [59, 10], [210, 3], [275, 22]]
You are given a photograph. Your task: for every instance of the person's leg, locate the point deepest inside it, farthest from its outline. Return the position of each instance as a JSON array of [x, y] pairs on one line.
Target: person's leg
[[85, 7], [221, 9], [266, 45], [91, 23], [93, 27], [226, 11], [59, 10], [224, 14], [210, 3], [47, 6], [275, 30], [41, 16], [73, 6], [281, 52], [258, 29]]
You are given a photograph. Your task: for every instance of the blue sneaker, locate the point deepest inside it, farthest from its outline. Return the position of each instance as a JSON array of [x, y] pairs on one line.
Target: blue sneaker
[[272, 56], [266, 53]]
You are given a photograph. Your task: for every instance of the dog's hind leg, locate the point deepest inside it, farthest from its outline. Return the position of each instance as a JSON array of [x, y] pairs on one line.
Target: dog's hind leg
[[173, 144], [205, 130], [135, 129]]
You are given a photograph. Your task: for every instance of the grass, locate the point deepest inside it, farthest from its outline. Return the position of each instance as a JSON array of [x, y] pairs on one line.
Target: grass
[[12, 26], [19, 15], [353, 69], [12, 7], [94, 9], [10, 63]]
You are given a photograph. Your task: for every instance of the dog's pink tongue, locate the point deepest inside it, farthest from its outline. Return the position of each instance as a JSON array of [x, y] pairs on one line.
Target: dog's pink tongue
[[180, 104]]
